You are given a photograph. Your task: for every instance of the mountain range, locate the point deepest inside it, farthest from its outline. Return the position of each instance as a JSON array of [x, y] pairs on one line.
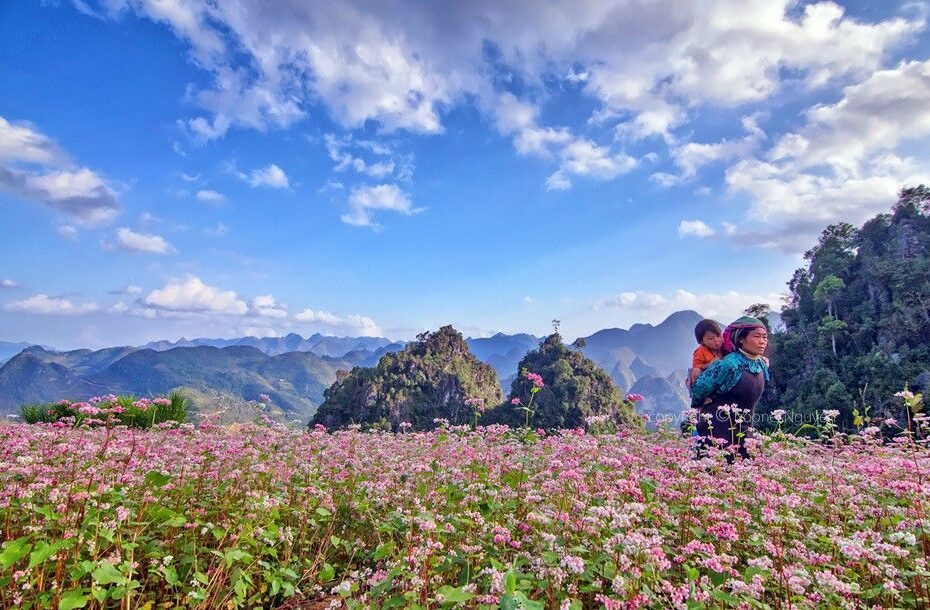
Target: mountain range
[[229, 374]]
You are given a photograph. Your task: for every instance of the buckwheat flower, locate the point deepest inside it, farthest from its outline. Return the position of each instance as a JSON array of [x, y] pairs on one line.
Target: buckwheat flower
[[634, 397], [905, 394], [831, 414], [536, 379], [404, 425], [573, 564], [516, 401], [778, 415]]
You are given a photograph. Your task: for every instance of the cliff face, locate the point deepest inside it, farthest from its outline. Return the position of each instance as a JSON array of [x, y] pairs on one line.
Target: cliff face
[[436, 376]]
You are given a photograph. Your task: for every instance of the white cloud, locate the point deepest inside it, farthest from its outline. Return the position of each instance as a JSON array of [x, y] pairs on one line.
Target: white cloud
[[693, 155], [339, 150], [68, 232], [118, 307], [265, 306], [401, 65], [140, 242], [211, 197], [351, 324], [46, 305], [724, 306], [364, 200], [844, 163], [220, 230], [697, 228], [23, 143], [271, 176], [189, 178], [581, 157], [75, 191], [127, 289], [193, 296], [8, 283]]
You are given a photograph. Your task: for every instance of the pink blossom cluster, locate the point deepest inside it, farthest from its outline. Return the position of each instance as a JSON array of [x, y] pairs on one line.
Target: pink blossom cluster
[[536, 380], [212, 516]]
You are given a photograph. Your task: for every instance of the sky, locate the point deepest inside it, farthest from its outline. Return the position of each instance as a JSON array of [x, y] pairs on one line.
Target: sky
[[176, 168]]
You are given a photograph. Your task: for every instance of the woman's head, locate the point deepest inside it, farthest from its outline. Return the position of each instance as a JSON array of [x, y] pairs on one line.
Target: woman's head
[[748, 334]]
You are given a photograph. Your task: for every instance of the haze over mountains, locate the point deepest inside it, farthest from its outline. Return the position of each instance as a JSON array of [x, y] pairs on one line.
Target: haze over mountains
[[294, 371]]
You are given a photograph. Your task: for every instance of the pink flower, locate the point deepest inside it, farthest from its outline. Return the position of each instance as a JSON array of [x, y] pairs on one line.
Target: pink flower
[[634, 397], [536, 379], [516, 401]]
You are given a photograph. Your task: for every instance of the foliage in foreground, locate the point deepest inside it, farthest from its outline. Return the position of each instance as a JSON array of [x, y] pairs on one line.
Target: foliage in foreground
[[211, 517], [116, 410]]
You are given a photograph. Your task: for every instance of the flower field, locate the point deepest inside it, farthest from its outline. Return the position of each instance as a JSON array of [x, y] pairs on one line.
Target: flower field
[[266, 516]]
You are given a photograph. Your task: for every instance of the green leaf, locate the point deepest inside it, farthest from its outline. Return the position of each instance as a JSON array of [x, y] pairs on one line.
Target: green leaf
[[335, 540], [156, 479], [327, 573], [528, 603], [234, 555], [510, 582], [454, 594], [508, 602], [14, 551], [107, 574], [323, 512], [723, 596], [171, 576], [75, 598], [43, 551], [383, 551]]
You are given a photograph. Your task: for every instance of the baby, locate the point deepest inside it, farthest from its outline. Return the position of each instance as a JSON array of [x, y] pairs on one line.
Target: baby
[[709, 338]]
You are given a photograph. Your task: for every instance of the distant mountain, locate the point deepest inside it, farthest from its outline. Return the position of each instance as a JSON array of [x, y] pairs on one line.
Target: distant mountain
[[295, 381], [665, 347], [26, 378], [9, 349], [503, 352], [662, 396], [320, 345], [295, 370]]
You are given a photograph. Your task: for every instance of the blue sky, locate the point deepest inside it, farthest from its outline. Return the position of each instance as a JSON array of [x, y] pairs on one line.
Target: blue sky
[[175, 168]]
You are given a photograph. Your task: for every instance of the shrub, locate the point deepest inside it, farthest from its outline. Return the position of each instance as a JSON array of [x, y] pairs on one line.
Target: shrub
[[110, 410]]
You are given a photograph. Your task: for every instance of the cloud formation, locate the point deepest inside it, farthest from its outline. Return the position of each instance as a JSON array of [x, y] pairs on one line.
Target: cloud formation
[[131, 241], [192, 295], [35, 168], [45, 305], [363, 201], [653, 306]]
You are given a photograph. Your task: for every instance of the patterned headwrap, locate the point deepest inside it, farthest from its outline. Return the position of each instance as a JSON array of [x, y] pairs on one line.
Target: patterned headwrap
[[737, 329]]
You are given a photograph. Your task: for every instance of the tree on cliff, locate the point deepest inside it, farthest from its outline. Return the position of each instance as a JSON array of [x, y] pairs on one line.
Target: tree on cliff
[[573, 388], [436, 376]]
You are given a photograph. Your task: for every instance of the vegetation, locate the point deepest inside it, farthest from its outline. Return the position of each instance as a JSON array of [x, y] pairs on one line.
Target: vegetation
[[857, 319], [108, 410], [266, 516], [572, 390], [434, 378]]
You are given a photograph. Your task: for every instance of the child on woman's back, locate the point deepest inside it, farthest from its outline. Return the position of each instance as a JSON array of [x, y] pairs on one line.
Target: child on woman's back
[[708, 335]]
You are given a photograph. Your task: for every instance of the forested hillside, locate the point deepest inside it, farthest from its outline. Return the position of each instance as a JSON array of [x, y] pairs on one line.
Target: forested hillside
[[857, 321]]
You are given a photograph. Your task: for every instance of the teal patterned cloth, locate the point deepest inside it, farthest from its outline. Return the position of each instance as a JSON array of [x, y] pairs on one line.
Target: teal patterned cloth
[[722, 375]]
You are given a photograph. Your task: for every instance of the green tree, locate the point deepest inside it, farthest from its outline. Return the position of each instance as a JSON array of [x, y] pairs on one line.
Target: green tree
[[575, 388], [436, 376]]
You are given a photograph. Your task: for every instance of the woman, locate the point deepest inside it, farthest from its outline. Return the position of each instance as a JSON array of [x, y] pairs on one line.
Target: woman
[[727, 391]]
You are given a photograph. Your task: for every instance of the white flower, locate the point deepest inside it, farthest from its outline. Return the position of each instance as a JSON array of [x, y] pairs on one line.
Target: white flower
[[779, 415]]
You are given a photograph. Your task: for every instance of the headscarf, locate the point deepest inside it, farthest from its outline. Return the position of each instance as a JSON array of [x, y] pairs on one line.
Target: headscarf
[[737, 329]]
